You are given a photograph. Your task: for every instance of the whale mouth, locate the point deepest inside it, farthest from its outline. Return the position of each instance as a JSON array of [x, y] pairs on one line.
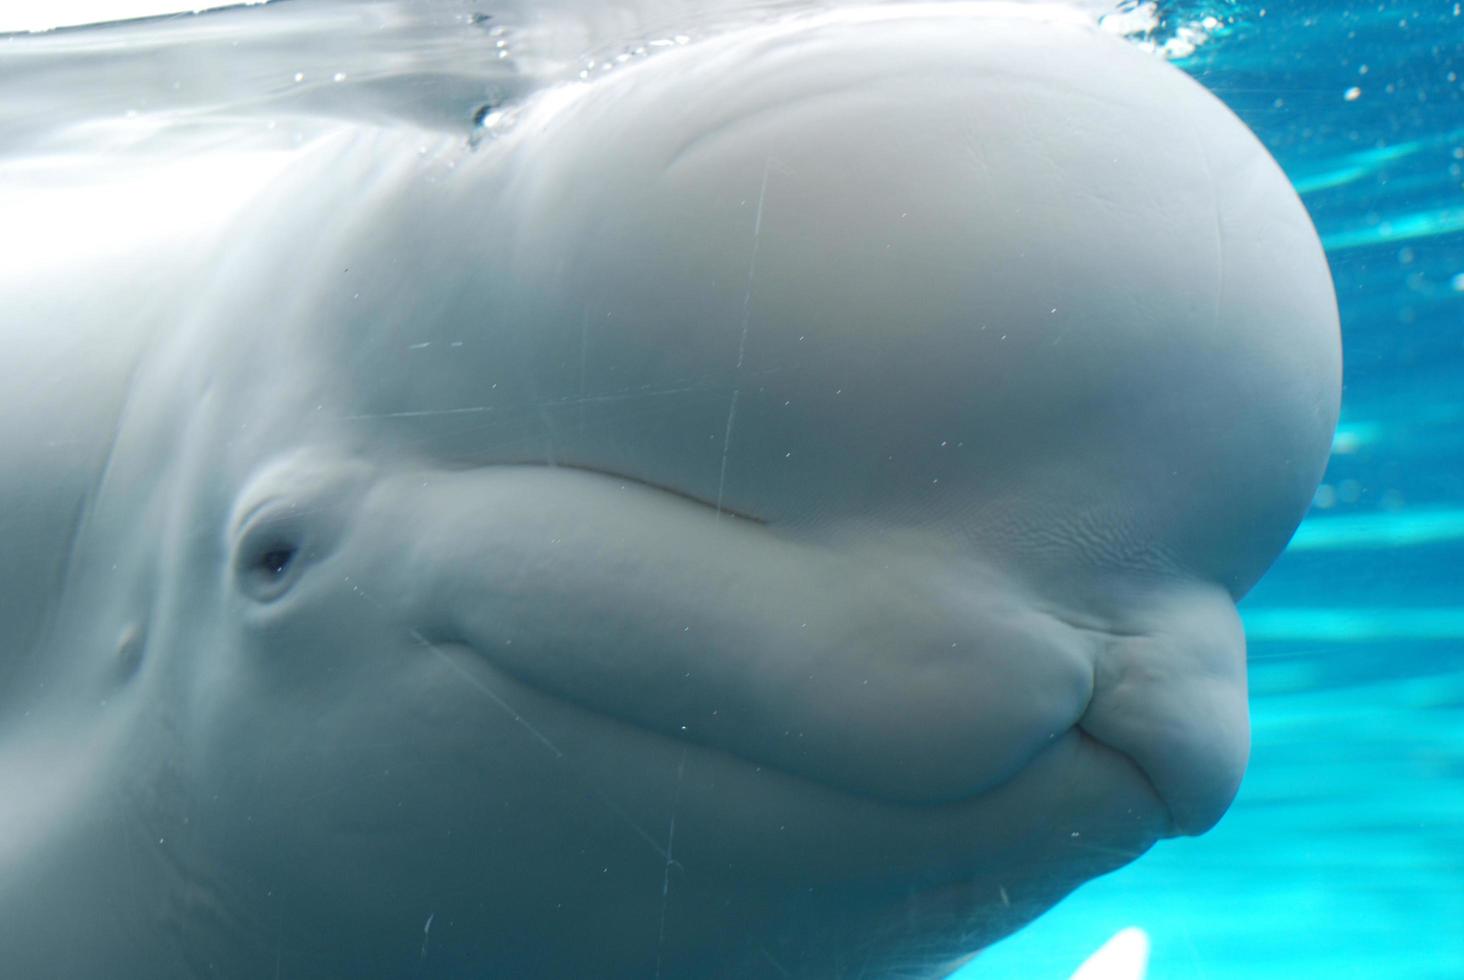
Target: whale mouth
[[876, 665], [508, 691], [888, 667], [464, 657]]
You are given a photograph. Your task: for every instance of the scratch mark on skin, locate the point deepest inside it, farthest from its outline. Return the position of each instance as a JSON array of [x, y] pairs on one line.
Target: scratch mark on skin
[[427, 933], [630, 395], [679, 387], [584, 342], [424, 413], [782, 970], [666, 877], [491, 694], [627, 396], [524, 723], [550, 456], [625, 818], [1124, 854], [1204, 159], [742, 342]]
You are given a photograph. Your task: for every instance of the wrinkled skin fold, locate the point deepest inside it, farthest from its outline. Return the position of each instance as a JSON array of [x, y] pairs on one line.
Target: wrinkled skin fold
[[781, 503]]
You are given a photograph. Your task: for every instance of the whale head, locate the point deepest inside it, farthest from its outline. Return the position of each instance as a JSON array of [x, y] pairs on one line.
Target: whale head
[[777, 507]]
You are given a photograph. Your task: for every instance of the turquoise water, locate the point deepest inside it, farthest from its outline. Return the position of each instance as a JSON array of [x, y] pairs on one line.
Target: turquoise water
[[1344, 854]]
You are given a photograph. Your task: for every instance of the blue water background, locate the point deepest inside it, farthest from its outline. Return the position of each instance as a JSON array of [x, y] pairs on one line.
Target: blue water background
[[1344, 854]]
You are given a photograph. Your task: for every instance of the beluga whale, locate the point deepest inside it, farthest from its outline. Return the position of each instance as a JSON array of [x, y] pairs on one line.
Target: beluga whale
[[774, 507]]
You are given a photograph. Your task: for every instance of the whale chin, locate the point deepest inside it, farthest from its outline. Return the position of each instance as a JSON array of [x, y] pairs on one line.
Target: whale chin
[[893, 886]]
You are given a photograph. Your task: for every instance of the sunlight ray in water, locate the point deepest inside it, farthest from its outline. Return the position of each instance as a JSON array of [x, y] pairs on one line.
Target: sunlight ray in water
[[1380, 530], [1354, 625]]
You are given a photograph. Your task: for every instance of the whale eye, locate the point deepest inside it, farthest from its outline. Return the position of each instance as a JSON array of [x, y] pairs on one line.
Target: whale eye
[[291, 515], [277, 561], [269, 555]]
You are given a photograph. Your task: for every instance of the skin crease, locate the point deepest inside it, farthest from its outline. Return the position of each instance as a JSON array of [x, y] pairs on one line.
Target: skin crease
[[780, 507]]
